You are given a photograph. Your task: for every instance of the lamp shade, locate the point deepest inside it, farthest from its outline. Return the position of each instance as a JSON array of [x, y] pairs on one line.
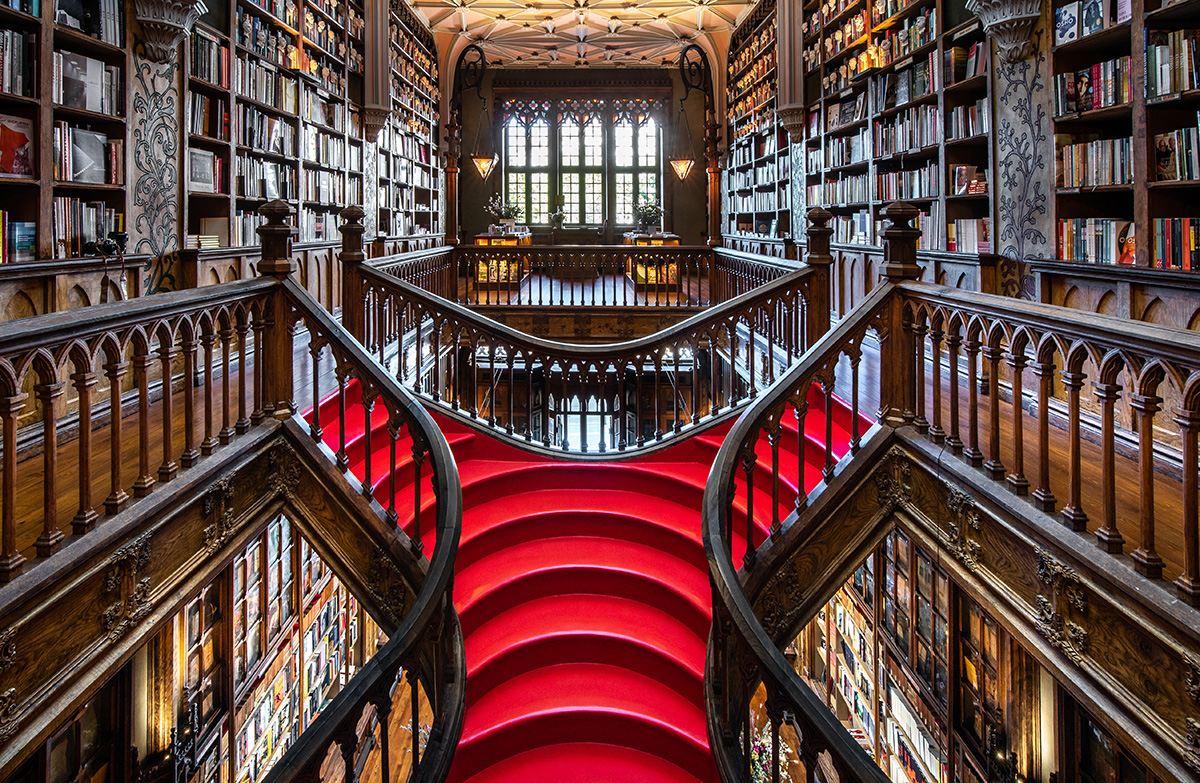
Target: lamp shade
[[682, 166], [484, 163]]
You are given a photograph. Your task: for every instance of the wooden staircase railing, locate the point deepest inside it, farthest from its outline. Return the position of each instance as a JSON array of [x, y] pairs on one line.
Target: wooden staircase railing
[[1141, 479], [208, 366]]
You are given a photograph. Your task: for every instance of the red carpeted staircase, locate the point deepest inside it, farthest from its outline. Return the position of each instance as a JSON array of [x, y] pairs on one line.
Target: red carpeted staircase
[[584, 598]]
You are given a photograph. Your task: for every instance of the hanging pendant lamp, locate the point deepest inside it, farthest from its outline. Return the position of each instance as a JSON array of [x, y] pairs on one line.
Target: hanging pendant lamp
[[682, 159], [485, 162]]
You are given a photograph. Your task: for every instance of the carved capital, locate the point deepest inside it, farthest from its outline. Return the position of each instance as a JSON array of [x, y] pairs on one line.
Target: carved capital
[[374, 118], [893, 481], [793, 118], [284, 475], [1192, 681], [1010, 24], [164, 24]]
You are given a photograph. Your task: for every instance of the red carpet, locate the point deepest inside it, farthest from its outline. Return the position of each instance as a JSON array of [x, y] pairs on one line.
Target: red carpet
[[584, 598]]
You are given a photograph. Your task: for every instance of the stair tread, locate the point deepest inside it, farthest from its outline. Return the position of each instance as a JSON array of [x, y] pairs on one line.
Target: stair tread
[[583, 761]]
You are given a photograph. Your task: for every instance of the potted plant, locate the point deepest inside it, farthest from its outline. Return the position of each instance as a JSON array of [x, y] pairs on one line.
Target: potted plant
[[557, 218], [648, 213], [506, 214]]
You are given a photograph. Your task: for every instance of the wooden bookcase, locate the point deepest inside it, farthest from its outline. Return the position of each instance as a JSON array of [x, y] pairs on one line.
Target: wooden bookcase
[[284, 115], [1133, 206], [409, 169], [758, 189], [898, 102]]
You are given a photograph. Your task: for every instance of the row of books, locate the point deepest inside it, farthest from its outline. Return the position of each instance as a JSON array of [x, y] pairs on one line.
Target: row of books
[[1095, 163], [1082, 18], [968, 180], [900, 87], [84, 83], [1172, 62], [854, 229], [911, 129], [18, 239], [82, 155], [1177, 154], [969, 120], [210, 58], [969, 236], [208, 116], [31, 7], [263, 131], [849, 189], [317, 108], [17, 62], [324, 187], [318, 225], [756, 202], [1176, 243], [928, 223], [265, 84], [77, 222], [963, 63], [245, 228], [839, 115], [1105, 84], [844, 150], [1096, 240], [917, 183], [103, 19], [320, 147], [265, 179]]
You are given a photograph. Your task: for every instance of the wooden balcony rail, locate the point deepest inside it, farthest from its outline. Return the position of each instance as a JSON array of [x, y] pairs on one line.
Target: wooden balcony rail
[[590, 399], [227, 351], [922, 367]]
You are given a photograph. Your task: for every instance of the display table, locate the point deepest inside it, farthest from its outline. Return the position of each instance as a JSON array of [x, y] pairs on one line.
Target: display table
[[638, 238], [519, 237]]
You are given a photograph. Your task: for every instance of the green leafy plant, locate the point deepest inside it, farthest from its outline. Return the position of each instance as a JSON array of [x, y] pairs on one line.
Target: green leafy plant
[[649, 212], [501, 211]]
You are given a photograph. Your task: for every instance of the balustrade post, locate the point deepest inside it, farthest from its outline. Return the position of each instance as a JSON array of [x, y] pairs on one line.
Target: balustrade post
[[141, 372], [972, 452], [993, 466], [1145, 559], [190, 455], [1072, 513], [954, 436], [117, 497], [85, 518], [352, 259], [896, 353], [1108, 536], [11, 558], [169, 468], [820, 261], [276, 236], [1188, 584], [1044, 371], [50, 541], [1017, 483]]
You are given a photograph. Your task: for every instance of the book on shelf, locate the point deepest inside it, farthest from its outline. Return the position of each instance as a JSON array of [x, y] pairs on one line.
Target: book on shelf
[[1092, 17], [18, 239], [1172, 62], [1176, 243], [972, 235], [102, 19], [80, 82], [210, 58], [964, 176], [1084, 161], [1102, 85], [18, 62], [1066, 23], [201, 242], [1096, 240], [203, 171], [1177, 154], [83, 155], [16, 146], [77, 222], [31, 7]]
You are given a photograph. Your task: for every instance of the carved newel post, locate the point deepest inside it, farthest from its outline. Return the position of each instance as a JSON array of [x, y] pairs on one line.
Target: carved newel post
[[352, 259], [817, 256], [276, 236], [453, 155], [897, 350]]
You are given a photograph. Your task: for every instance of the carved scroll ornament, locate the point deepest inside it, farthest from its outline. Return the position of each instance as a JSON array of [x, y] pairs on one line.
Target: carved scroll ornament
[[1010, 24]]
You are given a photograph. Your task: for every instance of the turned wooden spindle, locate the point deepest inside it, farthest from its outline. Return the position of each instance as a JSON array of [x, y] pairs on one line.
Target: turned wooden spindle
[[972, 452], [141, 372], [208, 340], [1108, 536], [85, 517], [11, 559], [117, 497], [994, 466], [169, 467], [50, 541], [954, 436], [1072, 513], [1145, 559], [1042, 496], [1187, 585], [191, 454], [242, 327], [818, 258], [898, 396], [1017, 483]]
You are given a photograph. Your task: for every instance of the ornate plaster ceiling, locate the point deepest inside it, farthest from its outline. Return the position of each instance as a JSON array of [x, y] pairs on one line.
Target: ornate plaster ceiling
[[605, 33]]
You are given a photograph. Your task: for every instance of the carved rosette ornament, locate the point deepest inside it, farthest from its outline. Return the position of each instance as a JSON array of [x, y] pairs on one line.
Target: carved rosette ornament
[[776, 605], [8, 648], [1010, 24], [284, 473], [893, 480], [164, 24]]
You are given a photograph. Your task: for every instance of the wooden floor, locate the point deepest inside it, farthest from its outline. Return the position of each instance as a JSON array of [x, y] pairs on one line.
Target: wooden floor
[[602, 290]]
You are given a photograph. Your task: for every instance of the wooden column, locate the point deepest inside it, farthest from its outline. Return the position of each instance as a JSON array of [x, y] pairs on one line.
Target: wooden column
[[1073, 513], [896, 352], [1188, 584], [1043, 497], [117, 497], [352, 258], [11, 558], [51, 538], [1108, 536], [276, 235], [1145, 558], [453, 155], [85, 517]]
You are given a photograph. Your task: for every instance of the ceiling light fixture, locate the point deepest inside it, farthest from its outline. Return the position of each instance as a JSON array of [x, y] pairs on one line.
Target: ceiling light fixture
[[548, 23], [485, 160], [614, 24]]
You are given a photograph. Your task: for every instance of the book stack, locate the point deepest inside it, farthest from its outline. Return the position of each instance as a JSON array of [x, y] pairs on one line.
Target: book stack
[[918, 183], [264, 179], [201, 242], [1096, 240], [103, 19], [1095, 163], [18, 239], [1177, 243], [210, 58], [265, 84], [1172, 62], [1177, 154], [1105, 84], [17, 67], [208, 117], [77, 222], [83, 83], [264, 131], [853, 229], [82, 155], [970, 120], [969, 236], [969, 180]]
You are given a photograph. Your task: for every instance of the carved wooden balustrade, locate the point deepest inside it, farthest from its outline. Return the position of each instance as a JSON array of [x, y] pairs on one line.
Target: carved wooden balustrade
[[595, 398], [224, 357], [919, 347]]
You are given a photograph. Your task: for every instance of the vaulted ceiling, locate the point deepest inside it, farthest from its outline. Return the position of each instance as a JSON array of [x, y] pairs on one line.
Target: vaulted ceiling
[[529, 33]]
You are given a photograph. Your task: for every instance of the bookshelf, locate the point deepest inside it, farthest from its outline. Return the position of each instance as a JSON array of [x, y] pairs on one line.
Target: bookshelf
[[1133, 65], [409, 170], [273, 111], [758, 192], [898, 101]]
